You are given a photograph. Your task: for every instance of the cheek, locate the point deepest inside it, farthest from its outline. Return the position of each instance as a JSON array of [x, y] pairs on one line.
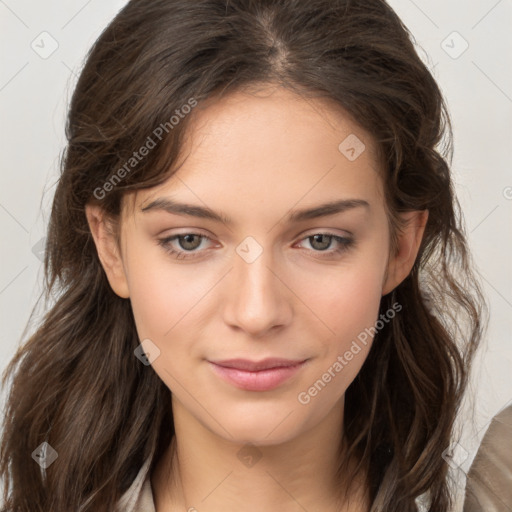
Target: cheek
[[348, 300], [360, 298], [350, 310], [162, 295]]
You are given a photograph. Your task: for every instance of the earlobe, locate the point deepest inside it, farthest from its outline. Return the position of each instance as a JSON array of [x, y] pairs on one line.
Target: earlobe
[[408, 244], [108, 249]]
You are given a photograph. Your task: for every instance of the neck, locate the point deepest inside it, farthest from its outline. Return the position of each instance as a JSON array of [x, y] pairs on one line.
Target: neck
[[204, 472]]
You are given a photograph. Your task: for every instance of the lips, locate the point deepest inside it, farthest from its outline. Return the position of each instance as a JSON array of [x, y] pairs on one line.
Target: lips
[[265, 364], [256, 375]]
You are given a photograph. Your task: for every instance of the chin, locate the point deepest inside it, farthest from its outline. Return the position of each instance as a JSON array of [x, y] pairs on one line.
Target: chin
[[260, 430]]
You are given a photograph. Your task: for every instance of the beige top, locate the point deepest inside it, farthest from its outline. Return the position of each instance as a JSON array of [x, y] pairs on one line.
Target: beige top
[[489, 482], [139, 496]]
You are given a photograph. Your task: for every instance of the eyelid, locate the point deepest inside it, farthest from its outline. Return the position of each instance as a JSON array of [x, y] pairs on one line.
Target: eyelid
[[343, 233], [310, 232]]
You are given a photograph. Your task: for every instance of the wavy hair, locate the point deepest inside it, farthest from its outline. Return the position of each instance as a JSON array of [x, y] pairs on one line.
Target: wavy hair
[[75, 382]]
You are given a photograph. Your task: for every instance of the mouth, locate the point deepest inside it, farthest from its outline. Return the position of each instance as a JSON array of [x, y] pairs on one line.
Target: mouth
[[257, 375]]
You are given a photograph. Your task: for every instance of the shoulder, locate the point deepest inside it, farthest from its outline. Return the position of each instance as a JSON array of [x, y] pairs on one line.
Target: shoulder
[[489, 482], [139, 496]]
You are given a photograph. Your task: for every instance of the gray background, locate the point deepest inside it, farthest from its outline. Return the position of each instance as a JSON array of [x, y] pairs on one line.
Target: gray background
[[42, 50]]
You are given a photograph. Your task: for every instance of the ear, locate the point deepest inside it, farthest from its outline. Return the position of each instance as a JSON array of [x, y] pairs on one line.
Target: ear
[[408, 244], [108, 249]]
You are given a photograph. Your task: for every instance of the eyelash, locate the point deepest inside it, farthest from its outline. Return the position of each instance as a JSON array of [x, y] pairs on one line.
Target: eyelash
[[345, 243]]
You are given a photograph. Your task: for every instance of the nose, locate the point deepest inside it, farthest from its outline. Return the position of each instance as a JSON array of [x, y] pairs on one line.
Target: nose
[[258, 299]]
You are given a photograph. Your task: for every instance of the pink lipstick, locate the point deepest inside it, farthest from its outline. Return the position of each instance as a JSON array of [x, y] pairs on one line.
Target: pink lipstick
[[257, 375]]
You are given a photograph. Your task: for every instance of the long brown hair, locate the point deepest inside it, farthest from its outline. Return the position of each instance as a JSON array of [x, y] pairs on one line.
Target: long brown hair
[[76, 383]]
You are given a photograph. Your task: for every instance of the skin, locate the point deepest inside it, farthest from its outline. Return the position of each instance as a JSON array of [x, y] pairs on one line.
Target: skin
[[255, 156]]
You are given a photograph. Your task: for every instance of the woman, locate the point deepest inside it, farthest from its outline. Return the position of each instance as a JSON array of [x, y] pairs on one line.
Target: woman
[[263, 294]]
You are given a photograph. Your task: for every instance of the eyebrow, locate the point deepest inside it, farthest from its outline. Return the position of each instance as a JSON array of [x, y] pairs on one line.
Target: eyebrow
[[322, 210]]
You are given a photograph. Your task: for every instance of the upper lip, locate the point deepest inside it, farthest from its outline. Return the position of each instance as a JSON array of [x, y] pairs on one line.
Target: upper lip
[[264, 364]]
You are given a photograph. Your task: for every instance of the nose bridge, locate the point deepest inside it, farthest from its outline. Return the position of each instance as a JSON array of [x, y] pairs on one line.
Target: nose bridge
[[258, 299]]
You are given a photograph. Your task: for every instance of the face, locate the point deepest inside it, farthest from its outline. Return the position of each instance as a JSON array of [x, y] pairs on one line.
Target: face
[[274, 276]]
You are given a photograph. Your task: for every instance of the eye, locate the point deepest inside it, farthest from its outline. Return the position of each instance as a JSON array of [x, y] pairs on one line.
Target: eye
[[188, 243], [322, 241]]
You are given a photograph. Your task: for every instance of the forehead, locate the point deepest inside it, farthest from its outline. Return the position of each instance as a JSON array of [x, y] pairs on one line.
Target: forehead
[[269, 147]]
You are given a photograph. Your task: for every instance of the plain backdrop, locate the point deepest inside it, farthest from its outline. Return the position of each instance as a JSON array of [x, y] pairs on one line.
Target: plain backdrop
[[468, 47]]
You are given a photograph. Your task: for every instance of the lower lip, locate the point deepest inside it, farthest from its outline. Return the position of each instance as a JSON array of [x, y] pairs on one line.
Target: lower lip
[[262, 380]]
